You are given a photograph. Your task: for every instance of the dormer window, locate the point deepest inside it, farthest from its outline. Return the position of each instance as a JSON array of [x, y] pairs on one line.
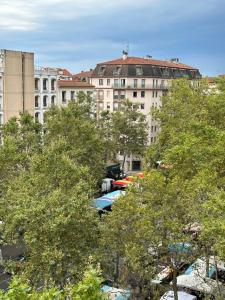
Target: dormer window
[[101, 70], [139, 70], [117, 70]]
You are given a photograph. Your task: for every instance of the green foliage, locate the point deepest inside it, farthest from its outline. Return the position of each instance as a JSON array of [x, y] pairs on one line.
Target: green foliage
[[129, 130], [144, 223], [87, 289], [50, 205], [50, 182], [74, 128]]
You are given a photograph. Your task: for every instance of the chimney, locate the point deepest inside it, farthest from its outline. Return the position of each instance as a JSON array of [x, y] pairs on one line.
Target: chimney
[[175, 60], [125, 55], [148, 56]]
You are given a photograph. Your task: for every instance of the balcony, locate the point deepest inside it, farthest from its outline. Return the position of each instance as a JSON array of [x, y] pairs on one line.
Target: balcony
[[141, 87]]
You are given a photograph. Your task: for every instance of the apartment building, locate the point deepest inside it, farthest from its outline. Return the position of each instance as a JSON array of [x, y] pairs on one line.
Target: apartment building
[[142, 81], [16, 83], [54, 86]]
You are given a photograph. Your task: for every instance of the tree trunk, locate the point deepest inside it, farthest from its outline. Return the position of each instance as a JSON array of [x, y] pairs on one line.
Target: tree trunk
[[207, 264], [124, 158], [175, 290]]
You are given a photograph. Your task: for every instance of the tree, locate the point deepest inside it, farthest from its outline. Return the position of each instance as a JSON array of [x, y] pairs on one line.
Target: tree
[[145, 225], [75, 128], [191, 142], [129, 130], [105, 128], [21, 140], [87, 289], [50, 206], [48, 203]]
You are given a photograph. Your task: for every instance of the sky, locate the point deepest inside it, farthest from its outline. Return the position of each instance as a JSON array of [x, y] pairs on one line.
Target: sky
[[78, 34]]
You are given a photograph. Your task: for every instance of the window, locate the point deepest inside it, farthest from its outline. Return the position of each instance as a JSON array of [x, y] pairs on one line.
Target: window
[[115, 106], [123, 82], [154, 94], [139, 70], [142, 106], [100, 105], [122, 94], [53, 81], [136, 165], [45, 101], [108, 94], [36, 101], [63, 96], [117, 70], [72, 95], [151, 139], [152, 127], [135, 94], [36, 83], [100, 95], [101, 70], [142, 94], [155, 128], [108, 105], [1, 120], [108, 82], [116, 82], [135, 83], [143, 83], [115, 95], [53, 100], [100, 82], [45, 82]]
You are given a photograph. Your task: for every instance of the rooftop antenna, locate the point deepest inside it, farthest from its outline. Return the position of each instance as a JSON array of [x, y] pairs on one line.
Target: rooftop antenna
[[127, 48]]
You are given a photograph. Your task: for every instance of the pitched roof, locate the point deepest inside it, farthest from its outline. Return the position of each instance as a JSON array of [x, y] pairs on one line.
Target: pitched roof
[[64, 72], [74, 83], [83, 74], [146, 61]]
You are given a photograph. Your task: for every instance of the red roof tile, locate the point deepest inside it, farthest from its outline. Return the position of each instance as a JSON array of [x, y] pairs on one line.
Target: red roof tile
[[74, 83], [146, 61], [65, 72], [83, 74]]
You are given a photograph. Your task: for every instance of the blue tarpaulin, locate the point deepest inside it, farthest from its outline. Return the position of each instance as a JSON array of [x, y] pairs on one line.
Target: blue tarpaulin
[[107, 199], [117, 294]]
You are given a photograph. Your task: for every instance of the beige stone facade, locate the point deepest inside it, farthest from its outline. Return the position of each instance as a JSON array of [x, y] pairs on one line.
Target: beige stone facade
[[16, 83]]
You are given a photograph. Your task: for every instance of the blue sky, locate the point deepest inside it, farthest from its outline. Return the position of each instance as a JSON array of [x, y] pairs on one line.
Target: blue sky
[[77, 34]]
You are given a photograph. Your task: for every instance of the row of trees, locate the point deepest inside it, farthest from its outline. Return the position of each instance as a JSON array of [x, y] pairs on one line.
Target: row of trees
[[48, 177], [47, 182], [189, 189]]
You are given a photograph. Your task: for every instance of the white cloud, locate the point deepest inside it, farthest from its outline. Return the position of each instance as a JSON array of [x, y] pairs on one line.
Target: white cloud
[[31, 15]]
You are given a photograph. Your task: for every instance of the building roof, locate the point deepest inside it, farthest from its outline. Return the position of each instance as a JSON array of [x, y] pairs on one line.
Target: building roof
[[83, 74], [147, 61], [64, 72], [74, 83], [137, 67]]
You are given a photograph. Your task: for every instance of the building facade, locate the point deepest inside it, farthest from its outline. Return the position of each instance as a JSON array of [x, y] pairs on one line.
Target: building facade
[[142, 81], [16, 83], [54, 86]]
